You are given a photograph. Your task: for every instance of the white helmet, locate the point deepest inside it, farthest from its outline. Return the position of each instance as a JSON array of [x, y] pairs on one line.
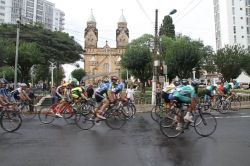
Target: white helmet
[[195, 82], [23, 84]]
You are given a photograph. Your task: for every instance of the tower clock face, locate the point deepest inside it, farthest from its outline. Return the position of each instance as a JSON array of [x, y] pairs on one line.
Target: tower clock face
[[122, 31]]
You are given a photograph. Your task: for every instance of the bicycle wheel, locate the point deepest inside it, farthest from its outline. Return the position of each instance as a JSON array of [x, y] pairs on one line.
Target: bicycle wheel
[[46, 115], [134, 109], [84, 121], [116, 119], [157, 112], [224, 107], [129, 111], [10, 120], [27, 111], [68, 115], [236, 105], [207, 126], [168, 128]]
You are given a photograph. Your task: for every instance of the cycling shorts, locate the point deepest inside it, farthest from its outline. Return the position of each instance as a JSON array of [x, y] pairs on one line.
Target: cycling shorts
[[226, 91], [165, 95], [99, 98], [209, 93]]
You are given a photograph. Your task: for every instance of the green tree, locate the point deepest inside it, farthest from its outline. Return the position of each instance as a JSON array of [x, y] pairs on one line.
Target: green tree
[[28, 55], [138, 59], [124, 74], [1, 52], [184, 55], [167, 27], [230, 61], [78, 74]]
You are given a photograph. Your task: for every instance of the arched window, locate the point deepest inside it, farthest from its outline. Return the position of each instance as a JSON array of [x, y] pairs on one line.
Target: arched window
[[105, 67]]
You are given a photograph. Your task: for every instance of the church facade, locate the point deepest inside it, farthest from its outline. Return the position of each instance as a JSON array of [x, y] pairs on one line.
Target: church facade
[[101, 61]]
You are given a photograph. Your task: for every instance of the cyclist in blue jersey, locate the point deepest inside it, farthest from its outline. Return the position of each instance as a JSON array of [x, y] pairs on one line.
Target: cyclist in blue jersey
[[20, 93], [118, 89], [101, 98], [3, 91], [180, 96]]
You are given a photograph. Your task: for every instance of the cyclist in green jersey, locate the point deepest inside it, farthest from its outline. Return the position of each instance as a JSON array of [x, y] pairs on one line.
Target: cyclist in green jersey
[[180, 96], [227, 90], [208, 92]]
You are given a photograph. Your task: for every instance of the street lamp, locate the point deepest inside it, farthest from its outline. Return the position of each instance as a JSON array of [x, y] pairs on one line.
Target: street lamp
[[52, 67], [17, 44], [193, 73]]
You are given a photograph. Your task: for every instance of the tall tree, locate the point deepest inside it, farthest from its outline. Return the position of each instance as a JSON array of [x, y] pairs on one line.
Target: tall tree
[[138, 59], [1, 52], [78, 74], [184, 55], [28, 55], [230, 61], [167, 27]]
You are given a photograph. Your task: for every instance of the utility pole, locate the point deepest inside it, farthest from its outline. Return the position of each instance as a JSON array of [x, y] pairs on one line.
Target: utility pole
[[18, 21], [155, 56]]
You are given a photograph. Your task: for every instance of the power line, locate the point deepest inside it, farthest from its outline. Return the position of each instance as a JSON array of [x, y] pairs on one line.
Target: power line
[[183, 9], [143, 10], [188, 11]]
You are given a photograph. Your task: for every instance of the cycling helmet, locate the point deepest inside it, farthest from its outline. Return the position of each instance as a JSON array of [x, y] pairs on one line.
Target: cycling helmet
[[184, 81], [74, 80], [3, 81], [176, 83], [113, 78], [23, 84], [195, 82]]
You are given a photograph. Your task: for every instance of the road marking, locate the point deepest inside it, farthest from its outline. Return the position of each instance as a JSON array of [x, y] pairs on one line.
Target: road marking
[[228, 117]]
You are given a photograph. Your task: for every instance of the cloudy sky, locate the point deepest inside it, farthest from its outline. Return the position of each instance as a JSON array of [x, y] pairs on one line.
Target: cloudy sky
[[194, 18]]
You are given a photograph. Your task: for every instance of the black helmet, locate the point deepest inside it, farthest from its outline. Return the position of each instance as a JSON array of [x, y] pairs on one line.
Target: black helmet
[[176, 83], [184, 81], [195, 82]]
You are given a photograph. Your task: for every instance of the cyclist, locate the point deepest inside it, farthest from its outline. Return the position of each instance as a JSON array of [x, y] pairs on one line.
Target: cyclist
[[165, 96], [20, 93], [180, 96], [3, 91], [184, 82], [60, 93], [227, 90], [118, 89], [208, 92], [100, 95], [78, 93]]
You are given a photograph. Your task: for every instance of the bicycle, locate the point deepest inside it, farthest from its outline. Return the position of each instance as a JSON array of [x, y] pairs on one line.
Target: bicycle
[[222, 105], [115, 118], [236, 103], [47, 114], [202, 120], [10, 120], [129, 108], [27, 109]]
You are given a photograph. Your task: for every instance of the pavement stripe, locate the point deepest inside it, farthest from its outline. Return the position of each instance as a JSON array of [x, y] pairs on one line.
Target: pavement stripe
[[228, 117]]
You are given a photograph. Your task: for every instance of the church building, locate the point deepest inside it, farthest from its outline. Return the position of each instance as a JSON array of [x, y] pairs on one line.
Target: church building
[[102, 61]]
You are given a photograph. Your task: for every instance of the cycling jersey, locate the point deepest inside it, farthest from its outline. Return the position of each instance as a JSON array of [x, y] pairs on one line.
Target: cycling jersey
[[60, 91], [15, 93], [227, 87], [4, 92], [77, 92], [181, 94], [211, 87], [117, 88], [104, 88]]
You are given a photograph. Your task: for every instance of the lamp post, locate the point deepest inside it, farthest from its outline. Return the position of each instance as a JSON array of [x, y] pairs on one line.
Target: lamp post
[[52, 67], [156, 63], [3, 73], [17, 44], [194, 73], [109, 58]]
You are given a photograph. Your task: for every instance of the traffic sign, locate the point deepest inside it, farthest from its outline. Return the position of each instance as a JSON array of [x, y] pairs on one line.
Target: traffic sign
[[161, 78]]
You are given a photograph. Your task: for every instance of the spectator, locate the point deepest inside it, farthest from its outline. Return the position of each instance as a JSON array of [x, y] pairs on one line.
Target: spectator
[[44, 86], [158, 94], [32, 96], [90, 91], [130, 94], [53, 95]]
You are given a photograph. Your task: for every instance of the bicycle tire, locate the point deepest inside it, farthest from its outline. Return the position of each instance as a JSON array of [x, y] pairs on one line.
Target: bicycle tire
[[84, 121], [169, 130], [26, 113], [224, 108], [46, 115], [10, 120], [155, 112], [236, 105], [134, 109], [208, 121], [68, 116], [129, 111], [116, 119]]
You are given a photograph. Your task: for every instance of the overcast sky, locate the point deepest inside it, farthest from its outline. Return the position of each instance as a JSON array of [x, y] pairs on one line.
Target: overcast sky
[[194, 18]]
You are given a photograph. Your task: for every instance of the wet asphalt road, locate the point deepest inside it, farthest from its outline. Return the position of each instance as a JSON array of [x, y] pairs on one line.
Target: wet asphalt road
[[139, 143]]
